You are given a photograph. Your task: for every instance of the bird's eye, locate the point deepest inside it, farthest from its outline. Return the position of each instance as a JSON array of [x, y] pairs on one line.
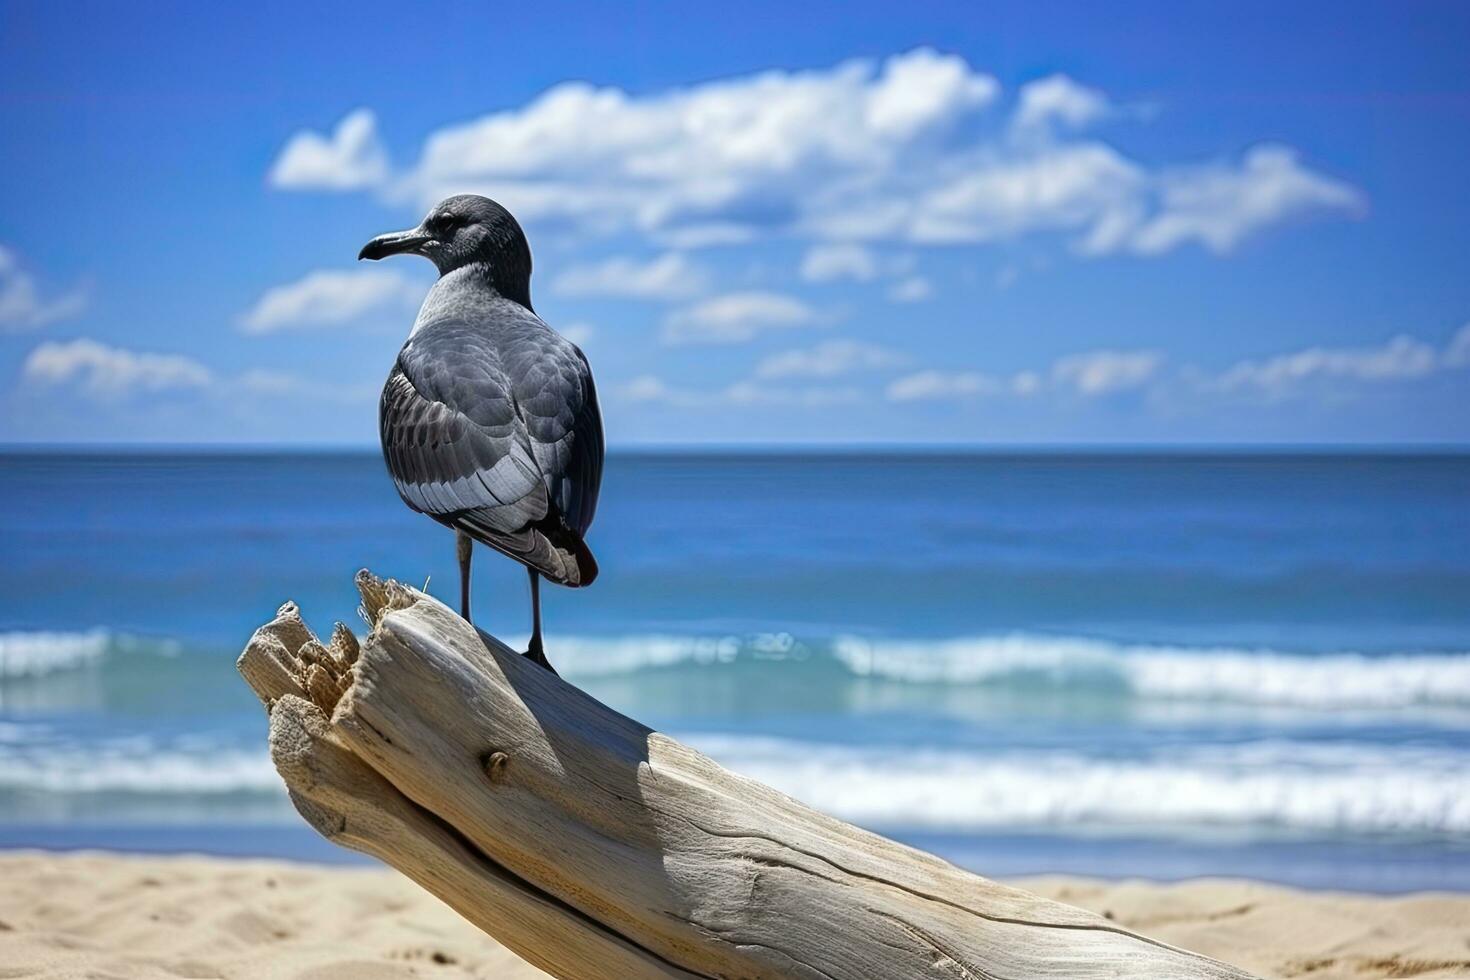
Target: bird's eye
[[445, 223]]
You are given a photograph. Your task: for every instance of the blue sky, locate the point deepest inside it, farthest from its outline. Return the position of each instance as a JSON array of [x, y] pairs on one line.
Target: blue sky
[[969, 223]]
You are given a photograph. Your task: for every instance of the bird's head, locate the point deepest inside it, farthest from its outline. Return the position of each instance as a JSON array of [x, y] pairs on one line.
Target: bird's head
[[461, 231]]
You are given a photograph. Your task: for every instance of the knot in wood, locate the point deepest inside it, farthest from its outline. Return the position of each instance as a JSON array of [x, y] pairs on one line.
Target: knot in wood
[[494, 764]]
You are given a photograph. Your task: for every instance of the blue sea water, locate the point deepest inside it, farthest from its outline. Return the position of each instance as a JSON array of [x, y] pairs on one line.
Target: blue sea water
[[1108, 663]]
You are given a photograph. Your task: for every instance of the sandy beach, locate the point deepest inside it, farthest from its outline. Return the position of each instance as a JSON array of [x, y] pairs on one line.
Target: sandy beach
[[108, 915]]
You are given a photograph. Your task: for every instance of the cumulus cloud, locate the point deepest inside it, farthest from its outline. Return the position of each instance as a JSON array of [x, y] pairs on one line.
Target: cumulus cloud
[[1103, 372], [1089, 374], [828, 360], [739, 152], [1220, 206], [351, 158], [917, 90], [645, 388], [1457, 351], [1100, 373], [651, 389], [578, 333], [830, 263], [1401, 358], [1085, 188], [111, 372], [114, 375], [759, 393], [911, 290], [669, 276], [1109, 203], [933, 385], [735, 318], [804, 376], [1058, 100], [899, 149], [845, 261], [21, 304], [328, 297]]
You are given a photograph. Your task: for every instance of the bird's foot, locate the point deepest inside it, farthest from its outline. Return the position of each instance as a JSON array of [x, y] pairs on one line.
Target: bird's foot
[[538, 656]]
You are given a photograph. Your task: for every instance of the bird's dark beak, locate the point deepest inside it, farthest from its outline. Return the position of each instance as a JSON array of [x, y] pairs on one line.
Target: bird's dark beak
[[394, 243]]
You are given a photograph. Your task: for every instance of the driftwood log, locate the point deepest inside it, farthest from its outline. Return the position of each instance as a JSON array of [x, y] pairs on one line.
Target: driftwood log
[[597, 848]]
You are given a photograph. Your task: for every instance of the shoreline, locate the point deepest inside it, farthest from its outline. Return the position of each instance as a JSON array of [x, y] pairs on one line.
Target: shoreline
[[143, 915]]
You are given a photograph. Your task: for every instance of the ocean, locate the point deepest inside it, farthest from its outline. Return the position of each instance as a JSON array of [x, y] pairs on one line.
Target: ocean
[[1107, 663]]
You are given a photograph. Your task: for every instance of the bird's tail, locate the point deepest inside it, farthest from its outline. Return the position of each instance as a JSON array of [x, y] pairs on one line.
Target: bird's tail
[[548, 546]]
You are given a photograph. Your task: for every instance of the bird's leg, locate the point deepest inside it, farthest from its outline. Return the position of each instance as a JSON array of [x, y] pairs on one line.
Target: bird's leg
[[536, 653], [464, 547]]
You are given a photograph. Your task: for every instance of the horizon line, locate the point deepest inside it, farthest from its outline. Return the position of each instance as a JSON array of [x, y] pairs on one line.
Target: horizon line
[[778, 448]]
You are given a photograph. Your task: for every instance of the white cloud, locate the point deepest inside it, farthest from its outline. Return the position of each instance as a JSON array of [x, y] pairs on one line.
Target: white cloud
[[734, 318], [21, 305], [1082, 187], [1220, 206], [1100, 373], [1457, 351], [1103, 372], [1092, 373], [923, 88], [669, 276], [935, 385], [1058, 99], [829, 263], [911, 290], [828, 360], [704, 235], [111, 372], [866, 150], [1401, 358], [113, 375], [1027, 383], [645, 388], [801, 376], [1113, 204], [651, 389], [760, 393], [752, 151], [578, 333], [328, 297], [351, 158]]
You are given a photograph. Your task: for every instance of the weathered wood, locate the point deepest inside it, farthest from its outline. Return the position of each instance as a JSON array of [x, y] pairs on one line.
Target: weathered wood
[[595, 847]]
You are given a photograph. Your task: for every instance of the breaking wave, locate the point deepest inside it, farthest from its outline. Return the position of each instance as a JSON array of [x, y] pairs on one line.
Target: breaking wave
[[1023, 663], [33, 653], [1033, 662], [1345, 788]]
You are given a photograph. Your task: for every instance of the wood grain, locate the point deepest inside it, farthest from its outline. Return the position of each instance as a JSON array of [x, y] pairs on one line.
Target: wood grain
[[595, 847]]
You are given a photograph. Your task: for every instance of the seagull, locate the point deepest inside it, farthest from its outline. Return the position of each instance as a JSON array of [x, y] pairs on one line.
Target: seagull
[[489, 418]]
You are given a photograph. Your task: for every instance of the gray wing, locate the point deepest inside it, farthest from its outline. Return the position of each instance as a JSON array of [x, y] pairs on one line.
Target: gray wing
[[557, 402], [497, 433]]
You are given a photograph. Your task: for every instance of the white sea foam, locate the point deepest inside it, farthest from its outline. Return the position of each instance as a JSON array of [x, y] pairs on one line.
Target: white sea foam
[[587, 656], [1026, 661], [1181, 673], [1036, 661], [1340, 789], [1314, 787], [33, 653], [136, 766]]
